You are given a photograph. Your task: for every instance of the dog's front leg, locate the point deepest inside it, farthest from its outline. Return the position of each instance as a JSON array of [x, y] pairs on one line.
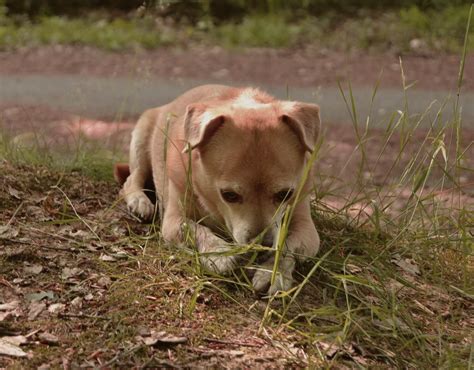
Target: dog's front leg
[[216, 254], [302, 243]]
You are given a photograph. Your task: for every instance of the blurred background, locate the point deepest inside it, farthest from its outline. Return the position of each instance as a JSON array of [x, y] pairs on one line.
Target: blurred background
[[396, 26]]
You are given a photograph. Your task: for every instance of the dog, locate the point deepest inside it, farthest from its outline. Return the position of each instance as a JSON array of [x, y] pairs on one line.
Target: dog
[[225, 159]]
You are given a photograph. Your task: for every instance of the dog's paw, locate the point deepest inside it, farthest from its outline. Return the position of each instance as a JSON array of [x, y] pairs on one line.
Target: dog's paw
[[215, 254], [262, 278], [140, 205], [222, 265], [219, 260]]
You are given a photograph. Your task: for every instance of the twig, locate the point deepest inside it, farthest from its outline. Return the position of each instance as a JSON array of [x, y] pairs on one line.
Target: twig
[[77, 215], [57, 236], [235, 343], [124, 353], [27, 242], [6, 283], [81, 316], [14, 214]]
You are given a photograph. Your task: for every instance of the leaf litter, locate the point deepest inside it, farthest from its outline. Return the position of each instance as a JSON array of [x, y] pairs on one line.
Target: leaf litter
[[127, 300], [80, 298]]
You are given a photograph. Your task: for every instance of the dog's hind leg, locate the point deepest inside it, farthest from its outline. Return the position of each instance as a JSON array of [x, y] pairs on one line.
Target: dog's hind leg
[[140, 167]]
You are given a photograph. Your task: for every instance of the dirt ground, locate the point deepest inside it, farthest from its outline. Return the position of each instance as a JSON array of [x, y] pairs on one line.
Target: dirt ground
[[275, 67], [84, 284], [71, 301]]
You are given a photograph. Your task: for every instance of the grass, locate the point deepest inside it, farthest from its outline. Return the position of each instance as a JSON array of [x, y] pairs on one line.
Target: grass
[[88, 158], [394, 30], [391, 286]]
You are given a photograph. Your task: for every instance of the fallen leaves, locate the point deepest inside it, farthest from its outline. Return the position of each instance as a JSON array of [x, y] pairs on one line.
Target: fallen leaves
[[36, 297], [83, 297], [32, 269], [48, 338], [160, 337], [56, 308], [35, 310], [408, 265], [68, 272], [8, 232], [9, 310], [10, 345], [8, 348], [9, 306]]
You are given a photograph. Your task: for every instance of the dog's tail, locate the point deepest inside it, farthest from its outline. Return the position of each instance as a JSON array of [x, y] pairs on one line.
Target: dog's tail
[[121, 172]]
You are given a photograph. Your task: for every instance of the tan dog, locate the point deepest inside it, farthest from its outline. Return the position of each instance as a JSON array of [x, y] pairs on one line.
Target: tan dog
[[226, 158]]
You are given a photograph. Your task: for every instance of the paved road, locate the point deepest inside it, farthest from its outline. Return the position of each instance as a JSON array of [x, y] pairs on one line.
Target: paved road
[[106, 97]]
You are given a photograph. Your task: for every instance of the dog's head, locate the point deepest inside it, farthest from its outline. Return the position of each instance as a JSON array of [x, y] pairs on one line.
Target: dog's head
[[248, 160]]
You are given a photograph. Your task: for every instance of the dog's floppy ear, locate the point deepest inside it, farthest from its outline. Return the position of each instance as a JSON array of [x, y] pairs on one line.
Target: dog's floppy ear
[[304, 120], [200, 124]]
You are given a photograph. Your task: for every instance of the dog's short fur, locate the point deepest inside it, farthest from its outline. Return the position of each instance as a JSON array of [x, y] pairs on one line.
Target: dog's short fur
[[227, 158]]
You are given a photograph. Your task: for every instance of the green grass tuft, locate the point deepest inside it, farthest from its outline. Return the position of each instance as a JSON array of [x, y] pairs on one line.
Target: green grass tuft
[[436, 30]]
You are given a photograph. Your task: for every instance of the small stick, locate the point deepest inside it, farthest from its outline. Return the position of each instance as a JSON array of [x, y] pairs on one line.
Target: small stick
[[235, 343]]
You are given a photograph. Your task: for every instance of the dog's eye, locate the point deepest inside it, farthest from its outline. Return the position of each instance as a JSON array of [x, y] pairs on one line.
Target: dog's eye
[[231, 196], [283, 195]]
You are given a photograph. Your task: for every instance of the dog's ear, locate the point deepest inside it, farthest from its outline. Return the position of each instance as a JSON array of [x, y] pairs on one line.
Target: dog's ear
[[304, 120], [200, 124]]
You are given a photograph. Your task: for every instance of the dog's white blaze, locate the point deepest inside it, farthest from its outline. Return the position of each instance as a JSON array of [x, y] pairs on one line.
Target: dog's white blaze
[[288, 105], [247, 100]]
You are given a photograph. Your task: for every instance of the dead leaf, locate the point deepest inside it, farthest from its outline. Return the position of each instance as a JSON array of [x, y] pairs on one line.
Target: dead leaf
[[56, 308], [390, 324], [35, 310], [14, 193], [353, 269], [33, 269], [119, 253], [104, 281], [10, 309], [8, 232], [48, 338], [329, 349], [406, 264], [161, 337], [16, 340], [8, 349], [68, 272], [81, 234], [107, 258], [9, 306], [37, 214], [77, 302], [5, 315], [36, 297]]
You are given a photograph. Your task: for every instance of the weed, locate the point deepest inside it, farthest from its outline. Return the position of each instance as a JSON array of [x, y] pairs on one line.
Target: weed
[[391, 30]]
